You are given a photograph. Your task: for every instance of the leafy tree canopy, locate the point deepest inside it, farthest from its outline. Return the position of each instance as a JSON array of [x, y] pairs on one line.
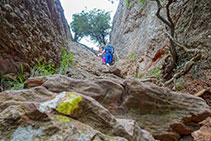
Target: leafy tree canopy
[[94, 24]]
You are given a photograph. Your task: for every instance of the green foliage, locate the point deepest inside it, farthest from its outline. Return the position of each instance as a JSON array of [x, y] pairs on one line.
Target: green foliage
[[129, 3], [13, 82], [80, 25], [16, 85], [132, 56], [94, 24], [197, 73], [66, 60], [16, 82], [156, 71], [42, 69], [140, 75], [178, 83]]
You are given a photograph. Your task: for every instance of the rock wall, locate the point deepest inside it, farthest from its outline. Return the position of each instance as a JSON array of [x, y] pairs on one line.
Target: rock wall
[[31, 30], [137, 31], [193, 23]]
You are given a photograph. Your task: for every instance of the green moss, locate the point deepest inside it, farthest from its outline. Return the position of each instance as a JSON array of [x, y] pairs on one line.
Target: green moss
[[62, 118]]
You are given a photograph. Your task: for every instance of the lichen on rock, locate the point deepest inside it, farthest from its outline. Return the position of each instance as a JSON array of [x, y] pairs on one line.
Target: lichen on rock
[[62, 118], [68, 106], [64, 103]]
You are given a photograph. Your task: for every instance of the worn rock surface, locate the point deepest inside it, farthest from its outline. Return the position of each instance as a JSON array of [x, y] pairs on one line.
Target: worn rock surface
[[125, 68], [137, 31], [167, 115], [107, 92], [31, 30], [203, 134], [24, 118], [86, 63]]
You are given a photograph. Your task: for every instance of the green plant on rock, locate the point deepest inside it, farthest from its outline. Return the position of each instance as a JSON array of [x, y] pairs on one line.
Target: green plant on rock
[[43, 69], [15, 81], [132, 56], [156, 71], [178, 84], [140, 75], [67, 60]]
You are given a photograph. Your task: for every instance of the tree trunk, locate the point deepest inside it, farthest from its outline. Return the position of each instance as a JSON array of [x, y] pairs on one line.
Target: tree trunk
[[170, 24]]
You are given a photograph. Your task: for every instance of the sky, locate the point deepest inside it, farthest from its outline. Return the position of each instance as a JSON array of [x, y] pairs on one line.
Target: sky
[[76, 6]]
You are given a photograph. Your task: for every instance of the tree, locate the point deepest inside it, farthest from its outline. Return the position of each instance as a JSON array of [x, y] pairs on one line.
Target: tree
[[94, 24], [79, 25]]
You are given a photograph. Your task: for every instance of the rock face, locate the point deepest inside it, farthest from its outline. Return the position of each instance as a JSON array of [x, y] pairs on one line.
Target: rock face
[[138, 31], [31, 30], [192, 23], [87, 63], [165, 114]]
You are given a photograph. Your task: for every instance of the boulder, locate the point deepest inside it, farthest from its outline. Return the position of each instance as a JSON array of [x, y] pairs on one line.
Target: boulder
[[166, 114], [139, 105], [95, 115], [125, 68], [106, 91], [21, 118], [203, 134]]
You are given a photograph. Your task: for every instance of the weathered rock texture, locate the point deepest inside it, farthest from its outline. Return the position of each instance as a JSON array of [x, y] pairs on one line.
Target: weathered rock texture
[[31, 30], [138, 31], [86, 63], [167, 115], [203, 134], [192, 23], [105, 91], [22, 117]]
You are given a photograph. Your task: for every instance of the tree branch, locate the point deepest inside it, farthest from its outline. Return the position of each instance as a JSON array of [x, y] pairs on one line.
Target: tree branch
[[168, 13], [186, 68], [182, 46], [158, 13]]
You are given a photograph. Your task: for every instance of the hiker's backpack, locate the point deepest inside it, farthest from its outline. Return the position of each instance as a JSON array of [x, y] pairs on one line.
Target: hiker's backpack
[[110, 49]]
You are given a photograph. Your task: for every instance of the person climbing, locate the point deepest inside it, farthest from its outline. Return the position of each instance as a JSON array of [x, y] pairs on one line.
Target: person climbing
[[109, 50], [102, 54]]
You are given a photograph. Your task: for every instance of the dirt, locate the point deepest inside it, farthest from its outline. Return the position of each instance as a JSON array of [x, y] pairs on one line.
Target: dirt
[[198, 81]]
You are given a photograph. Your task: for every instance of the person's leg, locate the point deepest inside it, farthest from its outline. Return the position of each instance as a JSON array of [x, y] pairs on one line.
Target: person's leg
[[106, 58], [110, 58], [102, 56]]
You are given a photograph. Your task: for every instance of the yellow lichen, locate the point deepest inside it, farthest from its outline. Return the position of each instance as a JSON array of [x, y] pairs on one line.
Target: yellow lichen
[[69, 105], [62, 118]]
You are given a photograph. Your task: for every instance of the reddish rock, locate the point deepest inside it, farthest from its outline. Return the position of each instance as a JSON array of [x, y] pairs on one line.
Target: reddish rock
[[30, 31], [165, 114], [106, 91], [203, 134]]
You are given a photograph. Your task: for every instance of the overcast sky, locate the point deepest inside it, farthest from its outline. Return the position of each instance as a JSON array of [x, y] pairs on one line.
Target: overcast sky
[[76, 6]]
